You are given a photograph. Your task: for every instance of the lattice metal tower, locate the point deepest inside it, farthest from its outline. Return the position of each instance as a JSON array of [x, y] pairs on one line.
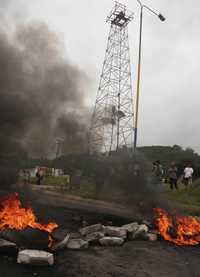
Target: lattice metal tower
[[112, 119]]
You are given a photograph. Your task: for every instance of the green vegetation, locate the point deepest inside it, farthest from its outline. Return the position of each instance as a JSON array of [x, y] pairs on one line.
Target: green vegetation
[[49, 180], [187, 198], [86, 189]]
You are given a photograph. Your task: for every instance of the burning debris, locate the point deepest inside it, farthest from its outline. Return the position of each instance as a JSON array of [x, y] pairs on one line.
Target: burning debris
[[181, 230], [19, 222], [14, 216], [17, 225]]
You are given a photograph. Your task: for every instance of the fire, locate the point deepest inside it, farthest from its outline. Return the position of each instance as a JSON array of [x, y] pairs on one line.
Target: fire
[[181, 230], [14, 216]]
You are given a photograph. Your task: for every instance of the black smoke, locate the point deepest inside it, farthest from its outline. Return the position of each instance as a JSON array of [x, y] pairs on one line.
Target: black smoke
[[41, 95]]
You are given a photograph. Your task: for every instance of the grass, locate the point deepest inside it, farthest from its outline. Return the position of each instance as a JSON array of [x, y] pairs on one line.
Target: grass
[[49, 180], [188, 198], [86, 189]]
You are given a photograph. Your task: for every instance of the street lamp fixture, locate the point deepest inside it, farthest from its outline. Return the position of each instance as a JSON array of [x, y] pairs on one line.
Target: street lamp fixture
[[162, 18]]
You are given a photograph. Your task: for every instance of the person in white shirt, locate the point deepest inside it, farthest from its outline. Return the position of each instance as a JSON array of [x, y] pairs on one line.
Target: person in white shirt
[[188, 172]]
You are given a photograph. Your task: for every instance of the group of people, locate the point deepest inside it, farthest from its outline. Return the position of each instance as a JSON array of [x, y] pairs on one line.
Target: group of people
[[173, 175], [186, 176]]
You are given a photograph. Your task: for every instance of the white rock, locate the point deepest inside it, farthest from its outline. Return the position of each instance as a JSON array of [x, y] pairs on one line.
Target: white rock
[[111, 241], [35, 257], [131, 227], [112, 231], [140, 233], [77, 244], [90, 229], [94, 236]]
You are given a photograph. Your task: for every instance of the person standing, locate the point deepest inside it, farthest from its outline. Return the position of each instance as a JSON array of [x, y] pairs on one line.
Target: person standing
[[157, 172], [157, 168], [188, 172], [173, 177], [39, 175]]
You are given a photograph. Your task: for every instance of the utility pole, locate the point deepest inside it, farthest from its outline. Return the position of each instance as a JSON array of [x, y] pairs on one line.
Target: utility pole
[[162, 18]]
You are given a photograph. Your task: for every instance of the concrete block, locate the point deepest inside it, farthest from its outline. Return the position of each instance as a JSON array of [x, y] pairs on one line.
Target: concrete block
[[35, 257], [111, 241], [90, 229], [112, 231], [94, 236], [77, 244]]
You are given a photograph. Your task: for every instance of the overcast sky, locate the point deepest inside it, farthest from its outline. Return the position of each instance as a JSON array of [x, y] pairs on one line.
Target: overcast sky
[[169, 103]]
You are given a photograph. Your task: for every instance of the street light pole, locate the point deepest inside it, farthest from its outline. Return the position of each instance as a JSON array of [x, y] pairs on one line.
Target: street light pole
[[138, 77], [162, 18]]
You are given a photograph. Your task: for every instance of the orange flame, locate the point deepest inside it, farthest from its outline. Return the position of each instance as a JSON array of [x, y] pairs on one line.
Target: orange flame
[[14, 216], [181, 230]]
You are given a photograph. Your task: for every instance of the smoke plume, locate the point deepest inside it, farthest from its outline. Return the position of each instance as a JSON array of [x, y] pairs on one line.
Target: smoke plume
[[41, 94]]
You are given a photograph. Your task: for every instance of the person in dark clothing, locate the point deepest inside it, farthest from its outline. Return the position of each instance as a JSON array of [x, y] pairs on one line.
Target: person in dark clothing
[[157, 168], [39, 175], [172, 172], [157, 172]]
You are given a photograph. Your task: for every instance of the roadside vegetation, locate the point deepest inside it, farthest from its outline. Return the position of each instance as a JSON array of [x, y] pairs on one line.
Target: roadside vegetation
[[89, 182], [187, 198]]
